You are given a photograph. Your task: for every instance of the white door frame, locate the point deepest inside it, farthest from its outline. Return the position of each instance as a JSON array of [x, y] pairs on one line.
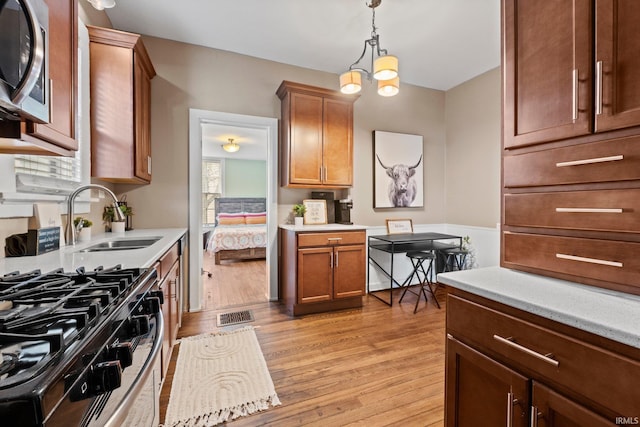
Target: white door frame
[[270, 125]]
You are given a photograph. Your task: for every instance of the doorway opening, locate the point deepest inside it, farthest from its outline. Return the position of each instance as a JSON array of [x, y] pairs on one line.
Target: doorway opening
[[200, 121]]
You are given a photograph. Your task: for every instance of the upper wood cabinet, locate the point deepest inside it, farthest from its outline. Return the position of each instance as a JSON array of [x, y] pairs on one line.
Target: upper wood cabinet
[[121, 74], [316, 142], [554, 87], [58, 137]]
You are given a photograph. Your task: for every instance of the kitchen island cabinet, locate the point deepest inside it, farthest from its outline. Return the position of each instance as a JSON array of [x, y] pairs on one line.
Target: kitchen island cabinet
[[58, 137], [316, 140], [121, 73], [322, 270], [565, 354]]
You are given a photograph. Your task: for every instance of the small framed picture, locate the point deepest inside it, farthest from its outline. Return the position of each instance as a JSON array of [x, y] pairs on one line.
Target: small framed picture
[[316, 212], [399, 226]]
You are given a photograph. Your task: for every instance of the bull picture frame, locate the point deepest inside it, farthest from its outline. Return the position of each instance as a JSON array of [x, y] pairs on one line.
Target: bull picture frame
[[398, 170]]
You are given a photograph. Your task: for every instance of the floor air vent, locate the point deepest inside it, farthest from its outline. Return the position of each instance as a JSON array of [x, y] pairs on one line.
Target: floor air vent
[[226, 319]]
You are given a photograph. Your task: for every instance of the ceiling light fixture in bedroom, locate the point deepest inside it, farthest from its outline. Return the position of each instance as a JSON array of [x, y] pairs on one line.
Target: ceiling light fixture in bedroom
[[102, 4], [384, 68], [231, 147]]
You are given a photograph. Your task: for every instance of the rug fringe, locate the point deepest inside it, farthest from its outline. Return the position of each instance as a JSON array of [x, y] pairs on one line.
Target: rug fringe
[[215, 418]]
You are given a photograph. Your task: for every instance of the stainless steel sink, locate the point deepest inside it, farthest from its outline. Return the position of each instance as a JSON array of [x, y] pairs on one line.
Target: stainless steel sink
[[121, 244]]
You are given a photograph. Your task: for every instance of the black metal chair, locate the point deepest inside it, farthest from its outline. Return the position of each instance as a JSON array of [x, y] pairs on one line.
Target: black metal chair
[[418, 259], [455, 259]]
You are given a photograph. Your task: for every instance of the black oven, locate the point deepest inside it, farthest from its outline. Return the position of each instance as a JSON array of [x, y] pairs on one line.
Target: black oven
[[24, 82], [80, 348]]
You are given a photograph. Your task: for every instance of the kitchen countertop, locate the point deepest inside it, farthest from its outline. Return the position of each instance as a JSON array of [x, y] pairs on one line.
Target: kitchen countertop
[[611, 314], [323, 227], [70, 257]]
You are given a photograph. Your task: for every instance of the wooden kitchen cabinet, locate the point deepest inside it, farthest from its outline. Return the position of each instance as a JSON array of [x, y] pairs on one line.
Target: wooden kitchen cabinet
[[555, 88], [169, 284], [58, 137], [121, 73], [316, 140], [507, 367], [322, 271]]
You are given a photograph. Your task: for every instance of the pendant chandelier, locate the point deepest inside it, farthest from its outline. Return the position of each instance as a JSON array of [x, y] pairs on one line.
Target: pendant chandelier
[[231, 146], [102, 4], [384, 68]]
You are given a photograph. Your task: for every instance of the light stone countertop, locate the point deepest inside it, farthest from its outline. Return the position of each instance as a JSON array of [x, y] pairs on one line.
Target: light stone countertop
[[71, 257], [323, 227], [611, 314]]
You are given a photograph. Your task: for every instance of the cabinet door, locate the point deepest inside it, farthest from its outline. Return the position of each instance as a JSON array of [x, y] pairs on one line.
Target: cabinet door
[[617, 64], [547, 70], [550, 409], [142, 109], [315, 274], [482, 392], [337, 142], [348, 271], [305, 161]]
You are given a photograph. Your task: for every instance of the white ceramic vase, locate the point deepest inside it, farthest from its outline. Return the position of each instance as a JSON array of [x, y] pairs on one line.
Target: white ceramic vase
[[84, 235], [298, 221], [117, 226]]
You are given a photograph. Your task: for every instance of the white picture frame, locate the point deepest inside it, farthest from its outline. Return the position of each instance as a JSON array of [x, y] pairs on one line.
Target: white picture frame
[[399, 226], [316, 212]]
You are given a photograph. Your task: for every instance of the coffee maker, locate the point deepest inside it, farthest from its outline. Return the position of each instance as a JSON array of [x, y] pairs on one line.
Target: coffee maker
[[343, 211]]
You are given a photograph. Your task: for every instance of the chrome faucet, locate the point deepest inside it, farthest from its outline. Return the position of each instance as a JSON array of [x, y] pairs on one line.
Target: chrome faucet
[[71, 230]]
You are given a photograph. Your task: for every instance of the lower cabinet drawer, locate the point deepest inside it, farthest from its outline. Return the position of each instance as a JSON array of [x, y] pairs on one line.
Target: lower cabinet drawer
[[603, 210], [600, 376], [602, 161], [330, 239], [605, 260]]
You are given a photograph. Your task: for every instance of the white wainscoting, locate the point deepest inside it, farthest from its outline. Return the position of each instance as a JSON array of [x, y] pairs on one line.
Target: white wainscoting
[[485, 241]]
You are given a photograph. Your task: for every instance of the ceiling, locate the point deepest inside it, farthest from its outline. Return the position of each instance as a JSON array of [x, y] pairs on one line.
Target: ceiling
[[439, 43]]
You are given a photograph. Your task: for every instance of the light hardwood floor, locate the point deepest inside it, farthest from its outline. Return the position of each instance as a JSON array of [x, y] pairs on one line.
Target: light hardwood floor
[[373, 366]]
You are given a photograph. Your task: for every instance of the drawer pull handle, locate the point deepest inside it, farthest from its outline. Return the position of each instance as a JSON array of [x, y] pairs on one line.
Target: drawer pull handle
[[334, 239], [599, 87], [589, 161], [590, 210], [574, 80], [535, 414], [590, 260], [511, 401], [509, 341]]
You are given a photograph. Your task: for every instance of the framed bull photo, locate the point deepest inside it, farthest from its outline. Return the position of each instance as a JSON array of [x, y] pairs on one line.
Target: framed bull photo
[[398, 170]]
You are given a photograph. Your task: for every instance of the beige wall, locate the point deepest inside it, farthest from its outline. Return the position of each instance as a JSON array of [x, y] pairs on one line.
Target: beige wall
[[460, 129], [196, 77], [472, 159]]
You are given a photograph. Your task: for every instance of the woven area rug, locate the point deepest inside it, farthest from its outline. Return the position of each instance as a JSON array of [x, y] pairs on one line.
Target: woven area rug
[[219, 377]]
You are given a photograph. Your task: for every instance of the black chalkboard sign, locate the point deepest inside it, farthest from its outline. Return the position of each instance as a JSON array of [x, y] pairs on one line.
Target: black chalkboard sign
[[43, 240]]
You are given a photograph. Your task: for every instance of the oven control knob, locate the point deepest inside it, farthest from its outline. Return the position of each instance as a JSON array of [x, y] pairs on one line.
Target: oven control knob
[[139, 325], [105, 377], [157, 294], [151, 304], [121, 352]]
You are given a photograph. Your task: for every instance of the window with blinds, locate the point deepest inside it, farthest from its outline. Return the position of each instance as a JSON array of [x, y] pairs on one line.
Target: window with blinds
[[48, 174], [212, 173]]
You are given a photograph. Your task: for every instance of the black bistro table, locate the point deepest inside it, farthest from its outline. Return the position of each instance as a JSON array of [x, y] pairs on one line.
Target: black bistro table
[[402, 243]]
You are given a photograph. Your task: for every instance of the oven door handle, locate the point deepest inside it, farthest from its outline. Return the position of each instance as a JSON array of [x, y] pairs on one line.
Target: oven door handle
[[123, 408]]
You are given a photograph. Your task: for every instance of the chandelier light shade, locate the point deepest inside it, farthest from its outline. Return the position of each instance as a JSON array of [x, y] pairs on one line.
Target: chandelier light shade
[[389, 87], [231, 146], [350, 82], [383, 67], [102, 4]]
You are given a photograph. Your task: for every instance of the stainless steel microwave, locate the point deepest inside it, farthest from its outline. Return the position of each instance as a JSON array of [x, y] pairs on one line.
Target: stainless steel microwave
[[24, 74]]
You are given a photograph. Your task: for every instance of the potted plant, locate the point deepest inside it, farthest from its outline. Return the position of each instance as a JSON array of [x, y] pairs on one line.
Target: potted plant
[[83, 228], [299, 211], [113, 224]]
